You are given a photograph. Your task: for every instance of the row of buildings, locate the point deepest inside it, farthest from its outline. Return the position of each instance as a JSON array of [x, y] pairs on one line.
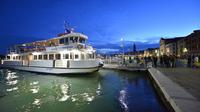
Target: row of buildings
[[181, 46]]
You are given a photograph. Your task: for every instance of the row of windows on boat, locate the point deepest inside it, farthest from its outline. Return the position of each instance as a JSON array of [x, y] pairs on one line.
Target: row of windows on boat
[[68, 40], [54, 57]]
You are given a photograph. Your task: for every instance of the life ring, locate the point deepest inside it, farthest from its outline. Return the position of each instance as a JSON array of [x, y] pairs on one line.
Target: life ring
[[79, 46]]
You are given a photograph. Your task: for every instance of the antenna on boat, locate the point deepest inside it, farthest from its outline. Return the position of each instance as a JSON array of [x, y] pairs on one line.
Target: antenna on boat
[[67, 28]]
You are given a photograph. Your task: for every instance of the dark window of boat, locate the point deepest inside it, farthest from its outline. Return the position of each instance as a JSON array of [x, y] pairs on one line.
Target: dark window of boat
[[13, 57], [66, 56], [51, 56], [71, 56], [23, 57], [19, 57], [72, 39], [8, 57], [82, 40], [93, 55], [62, 41], [90, 56], [57, 56], [76, 56], [40, 57], [76, 39], [66, 41], [35, 57], [45, 57]]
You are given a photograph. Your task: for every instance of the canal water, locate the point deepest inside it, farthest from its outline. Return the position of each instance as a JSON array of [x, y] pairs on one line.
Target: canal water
[[103, 91]]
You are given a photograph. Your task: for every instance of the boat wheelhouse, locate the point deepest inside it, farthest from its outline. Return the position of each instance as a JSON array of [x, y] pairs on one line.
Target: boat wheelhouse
[[67, 53]]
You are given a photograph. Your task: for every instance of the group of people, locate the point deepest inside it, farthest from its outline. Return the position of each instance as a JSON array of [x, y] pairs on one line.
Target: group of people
[[165, 61]]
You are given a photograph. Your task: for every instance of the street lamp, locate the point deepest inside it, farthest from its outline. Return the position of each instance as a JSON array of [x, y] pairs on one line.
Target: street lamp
[[122, 46], [185, 50]]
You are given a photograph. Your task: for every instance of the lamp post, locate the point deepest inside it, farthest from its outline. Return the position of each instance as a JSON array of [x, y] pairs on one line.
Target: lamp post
[[185, 51], [122, 46]]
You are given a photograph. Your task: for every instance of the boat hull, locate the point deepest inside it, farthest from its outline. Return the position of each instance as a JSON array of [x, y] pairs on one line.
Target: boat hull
[[51, 70]]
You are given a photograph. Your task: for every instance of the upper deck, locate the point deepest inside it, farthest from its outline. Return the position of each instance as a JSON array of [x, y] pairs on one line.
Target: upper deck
[[72, 40]]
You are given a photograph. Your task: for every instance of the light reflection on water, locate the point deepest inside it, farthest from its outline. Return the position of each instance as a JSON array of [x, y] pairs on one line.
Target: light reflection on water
[[105, 91]]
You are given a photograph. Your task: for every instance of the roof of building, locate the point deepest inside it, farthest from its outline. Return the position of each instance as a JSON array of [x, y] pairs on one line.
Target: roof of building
[[171, 40]]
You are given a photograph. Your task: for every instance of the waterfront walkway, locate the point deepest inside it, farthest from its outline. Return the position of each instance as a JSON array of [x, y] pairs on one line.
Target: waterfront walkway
[[129, 68], [188, 78], [178, 97]]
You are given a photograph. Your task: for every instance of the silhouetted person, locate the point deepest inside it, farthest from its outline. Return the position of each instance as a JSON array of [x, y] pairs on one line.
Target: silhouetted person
[[166, 60], [161, 61], [189, 61], [130, 60], [192, 60], [145, 61], [173, 61], [155, 59]]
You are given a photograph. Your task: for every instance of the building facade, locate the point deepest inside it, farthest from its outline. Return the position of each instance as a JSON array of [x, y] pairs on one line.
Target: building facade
[[193, 43], [169, 46], [152, 52]]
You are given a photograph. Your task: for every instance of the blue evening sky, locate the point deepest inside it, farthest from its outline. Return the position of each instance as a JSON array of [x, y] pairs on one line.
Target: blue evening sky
[[104, 21]]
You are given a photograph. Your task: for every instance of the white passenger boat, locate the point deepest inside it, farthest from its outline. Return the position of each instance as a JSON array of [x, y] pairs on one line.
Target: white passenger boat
[[66, 54]]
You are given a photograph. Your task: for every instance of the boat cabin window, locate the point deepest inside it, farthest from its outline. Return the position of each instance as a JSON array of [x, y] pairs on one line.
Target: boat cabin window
[[40, 57], [17, 57], [20, 57], [66, 56], [23, 57], [81, 40], [35, 57], [76, 39], [71, 56], [62, 41], [66, 41], [57, 56], [51, 56], [8, 57], [76, 56], [90, 56], [71, 39], [45, 57]]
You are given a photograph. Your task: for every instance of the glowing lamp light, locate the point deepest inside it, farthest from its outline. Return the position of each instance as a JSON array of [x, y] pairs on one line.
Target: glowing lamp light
[[185, 50]]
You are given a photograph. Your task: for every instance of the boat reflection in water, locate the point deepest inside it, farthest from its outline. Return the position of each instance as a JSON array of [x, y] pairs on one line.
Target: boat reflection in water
[[103, 91]]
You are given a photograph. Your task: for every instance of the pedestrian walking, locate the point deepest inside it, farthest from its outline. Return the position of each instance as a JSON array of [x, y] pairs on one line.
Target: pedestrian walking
[[155, 59]]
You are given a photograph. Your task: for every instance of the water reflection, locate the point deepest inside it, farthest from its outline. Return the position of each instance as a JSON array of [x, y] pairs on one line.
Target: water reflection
[[37, 102], [98, 91], [103, 91], [11, 80], [122, 100], [64, 90], [34, 87]]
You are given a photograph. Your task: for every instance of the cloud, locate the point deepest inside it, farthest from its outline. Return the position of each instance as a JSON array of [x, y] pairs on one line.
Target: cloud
[[107, 50], [114, 47]]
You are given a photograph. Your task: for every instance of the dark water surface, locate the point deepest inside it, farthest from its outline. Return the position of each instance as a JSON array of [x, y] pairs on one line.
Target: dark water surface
[[103, 91]]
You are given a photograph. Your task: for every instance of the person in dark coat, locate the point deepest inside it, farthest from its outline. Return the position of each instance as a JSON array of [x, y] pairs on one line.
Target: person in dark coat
[[161, 61], [155, 59], [189, 61]]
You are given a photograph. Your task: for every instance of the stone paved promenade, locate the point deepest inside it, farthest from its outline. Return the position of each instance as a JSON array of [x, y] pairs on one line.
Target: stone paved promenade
[[188, 78]]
